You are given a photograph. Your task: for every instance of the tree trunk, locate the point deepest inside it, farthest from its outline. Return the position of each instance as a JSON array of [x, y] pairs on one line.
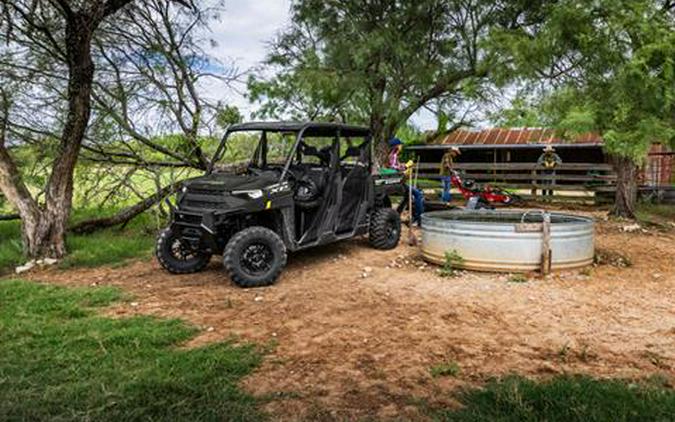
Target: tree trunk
[[45, 236], [381, 136], [626, 187], [44, 225]]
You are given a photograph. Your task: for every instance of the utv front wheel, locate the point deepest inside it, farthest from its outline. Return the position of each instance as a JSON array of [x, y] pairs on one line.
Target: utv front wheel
[[385, 228], [254, 257], [177, 256]]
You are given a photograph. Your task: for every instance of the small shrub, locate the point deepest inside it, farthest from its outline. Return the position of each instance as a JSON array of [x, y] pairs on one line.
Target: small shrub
[[453, 260], [518, 278], [445, 369]]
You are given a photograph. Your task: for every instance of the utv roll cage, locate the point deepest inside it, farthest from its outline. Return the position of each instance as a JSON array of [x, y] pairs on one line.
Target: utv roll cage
[[302, 130]]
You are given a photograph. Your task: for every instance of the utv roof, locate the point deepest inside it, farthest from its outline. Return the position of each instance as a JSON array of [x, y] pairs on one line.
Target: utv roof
[[310, 128]]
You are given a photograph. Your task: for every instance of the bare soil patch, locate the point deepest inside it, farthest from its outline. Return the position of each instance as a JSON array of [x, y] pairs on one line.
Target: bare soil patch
[[350, 346]]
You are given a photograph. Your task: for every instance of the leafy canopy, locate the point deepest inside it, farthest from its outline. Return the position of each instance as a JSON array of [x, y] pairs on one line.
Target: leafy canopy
[[612, 67], [380, 61]]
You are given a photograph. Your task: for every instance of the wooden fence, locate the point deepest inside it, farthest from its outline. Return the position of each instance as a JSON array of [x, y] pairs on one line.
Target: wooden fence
[[571, 181]]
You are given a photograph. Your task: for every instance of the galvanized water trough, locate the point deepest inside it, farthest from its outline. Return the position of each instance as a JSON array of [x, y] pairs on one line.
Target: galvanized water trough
[[516, 241]]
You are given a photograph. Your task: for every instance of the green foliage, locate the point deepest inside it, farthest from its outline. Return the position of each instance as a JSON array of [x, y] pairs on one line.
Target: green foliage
[[517, 278], [444, 369], [453, 261], [11, 248], [228, 115], [613, 63], [521, 113], [378, 63], [564, 398], [59, 360]]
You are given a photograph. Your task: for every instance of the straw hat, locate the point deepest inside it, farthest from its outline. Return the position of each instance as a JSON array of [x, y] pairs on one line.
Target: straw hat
[[455, 150]]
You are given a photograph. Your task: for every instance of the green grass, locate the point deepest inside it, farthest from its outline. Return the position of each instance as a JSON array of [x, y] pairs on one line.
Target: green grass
[[565, 398], [10, 245], [113, 246], [656, 214], [444, 369], [59, 360]]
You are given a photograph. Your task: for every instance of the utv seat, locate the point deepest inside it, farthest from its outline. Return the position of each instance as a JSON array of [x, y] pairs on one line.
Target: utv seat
[[310, 185]]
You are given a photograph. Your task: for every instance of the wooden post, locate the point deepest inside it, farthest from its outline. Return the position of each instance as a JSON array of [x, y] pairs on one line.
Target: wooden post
[[534, 182], [546, 245]]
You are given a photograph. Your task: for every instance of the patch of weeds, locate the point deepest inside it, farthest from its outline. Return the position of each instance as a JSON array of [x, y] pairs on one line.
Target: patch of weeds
[[60, 360], [609, 257], [586, 271], [659, 380], [518, 278], [660, 216], [655, 359], [450, 368], [585, 354], [563, 352], [453, 261], [562, 399]]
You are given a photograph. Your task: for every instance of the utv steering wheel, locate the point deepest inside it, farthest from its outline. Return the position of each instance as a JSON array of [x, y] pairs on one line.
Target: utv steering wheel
[[306, 193]]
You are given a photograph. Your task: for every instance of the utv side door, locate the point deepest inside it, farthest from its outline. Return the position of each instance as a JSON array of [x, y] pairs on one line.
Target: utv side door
[[320, 222], [355, 188]]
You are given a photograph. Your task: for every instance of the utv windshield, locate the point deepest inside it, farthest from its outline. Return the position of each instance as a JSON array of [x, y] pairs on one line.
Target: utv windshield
[[254, 149]]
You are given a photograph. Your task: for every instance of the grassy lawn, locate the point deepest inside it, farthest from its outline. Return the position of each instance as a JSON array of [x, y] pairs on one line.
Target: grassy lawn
[[110, 246], [565, 398], [59, 360]]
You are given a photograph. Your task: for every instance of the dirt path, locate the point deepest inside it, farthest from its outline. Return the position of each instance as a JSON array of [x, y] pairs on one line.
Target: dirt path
[[358, 347]]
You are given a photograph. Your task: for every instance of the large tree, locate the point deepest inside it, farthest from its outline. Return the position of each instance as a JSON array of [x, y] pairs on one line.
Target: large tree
[[378, 62], [611, 68], [47, 49]]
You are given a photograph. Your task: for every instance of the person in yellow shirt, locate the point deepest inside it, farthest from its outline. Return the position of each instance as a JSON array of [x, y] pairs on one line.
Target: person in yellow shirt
[[447, 162], [549, 160]]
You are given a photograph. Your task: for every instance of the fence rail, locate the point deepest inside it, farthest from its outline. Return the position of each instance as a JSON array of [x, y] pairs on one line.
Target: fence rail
[[522, 166], [571, 181]]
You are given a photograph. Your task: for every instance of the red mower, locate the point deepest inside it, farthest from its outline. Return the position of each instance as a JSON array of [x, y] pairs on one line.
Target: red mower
[[487, 195]]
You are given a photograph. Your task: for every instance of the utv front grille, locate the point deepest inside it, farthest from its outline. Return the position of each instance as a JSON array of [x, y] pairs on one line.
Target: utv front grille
[[204, 191], [203, 204]]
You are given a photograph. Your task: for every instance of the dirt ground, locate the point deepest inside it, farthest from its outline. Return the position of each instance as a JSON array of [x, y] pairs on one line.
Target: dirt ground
[[350, 346]]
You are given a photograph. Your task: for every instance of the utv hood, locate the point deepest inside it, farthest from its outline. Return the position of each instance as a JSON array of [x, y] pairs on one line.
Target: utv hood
[[230, 182]]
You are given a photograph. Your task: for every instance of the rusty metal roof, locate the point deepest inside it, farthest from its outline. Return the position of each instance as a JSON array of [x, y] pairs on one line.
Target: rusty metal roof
[[520, 136]]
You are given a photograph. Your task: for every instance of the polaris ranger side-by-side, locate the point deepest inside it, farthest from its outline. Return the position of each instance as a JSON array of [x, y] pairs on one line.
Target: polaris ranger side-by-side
[[306, 184]]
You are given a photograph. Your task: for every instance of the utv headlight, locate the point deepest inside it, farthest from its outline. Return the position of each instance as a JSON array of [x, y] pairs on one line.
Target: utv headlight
[[253, 194]]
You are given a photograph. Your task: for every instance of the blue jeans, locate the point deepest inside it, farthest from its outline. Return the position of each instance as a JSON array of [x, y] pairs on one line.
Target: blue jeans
[[418, 199], [447, 184], [418, 203]]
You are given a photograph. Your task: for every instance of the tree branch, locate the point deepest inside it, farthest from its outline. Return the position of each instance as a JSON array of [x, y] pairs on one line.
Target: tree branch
[[126, 214]]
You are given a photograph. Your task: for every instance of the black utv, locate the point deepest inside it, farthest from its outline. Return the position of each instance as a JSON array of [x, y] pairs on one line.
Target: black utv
[[282, 186]]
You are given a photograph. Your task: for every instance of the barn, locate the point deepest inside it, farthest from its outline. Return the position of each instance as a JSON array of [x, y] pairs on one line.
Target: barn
[[508, 157]]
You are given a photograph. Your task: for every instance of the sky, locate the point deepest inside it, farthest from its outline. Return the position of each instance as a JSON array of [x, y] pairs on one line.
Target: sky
[[242, 37]]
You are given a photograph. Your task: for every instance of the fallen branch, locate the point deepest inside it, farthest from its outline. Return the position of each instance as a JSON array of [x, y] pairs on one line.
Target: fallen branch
[[126, 214], [9, 217]]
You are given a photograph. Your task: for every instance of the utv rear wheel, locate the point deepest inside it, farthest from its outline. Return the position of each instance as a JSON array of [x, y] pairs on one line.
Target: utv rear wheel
[[177, 256], [385, 228], [254, 257]]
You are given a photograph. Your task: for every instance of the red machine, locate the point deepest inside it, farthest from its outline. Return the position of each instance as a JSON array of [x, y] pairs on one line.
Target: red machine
[[486, 193]]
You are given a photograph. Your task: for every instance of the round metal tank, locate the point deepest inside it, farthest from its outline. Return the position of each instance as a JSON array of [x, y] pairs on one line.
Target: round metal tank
[[490, 240]]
